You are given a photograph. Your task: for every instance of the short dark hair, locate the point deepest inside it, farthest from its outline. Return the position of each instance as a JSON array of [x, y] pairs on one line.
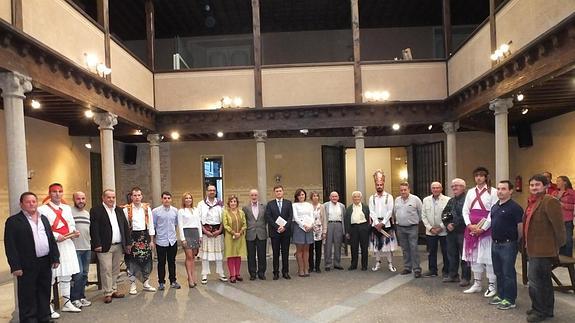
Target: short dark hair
[[480, 169], [404, 184], [23, 195], [297, 193], [135, 189], [166, 193], [540, 178], [509, 184], [278, 186]]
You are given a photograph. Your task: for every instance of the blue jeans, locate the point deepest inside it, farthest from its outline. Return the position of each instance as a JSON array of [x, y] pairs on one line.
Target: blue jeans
[[567, 249], [503, 256], [80, 279], [541, 285]]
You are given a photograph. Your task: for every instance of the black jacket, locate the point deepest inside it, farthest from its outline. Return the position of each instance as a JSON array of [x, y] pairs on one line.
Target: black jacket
[[455, 206], [273, 212], [101, 228], [19, 243], [349, 211]]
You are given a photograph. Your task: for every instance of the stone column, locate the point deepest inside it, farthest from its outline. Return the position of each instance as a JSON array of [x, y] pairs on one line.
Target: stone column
[[13, 86], [155, 140], [106, 122], [450, 129], [501, 107], [261, 136], [359, 133]]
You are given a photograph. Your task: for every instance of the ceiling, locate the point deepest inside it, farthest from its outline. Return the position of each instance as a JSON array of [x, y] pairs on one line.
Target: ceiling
[[219, 17]]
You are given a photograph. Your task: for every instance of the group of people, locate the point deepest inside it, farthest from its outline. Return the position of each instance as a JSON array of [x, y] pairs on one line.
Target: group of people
[[480, 230]]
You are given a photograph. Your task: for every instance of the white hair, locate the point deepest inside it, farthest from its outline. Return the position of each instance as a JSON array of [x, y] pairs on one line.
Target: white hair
[[357, 193], [458, 181]]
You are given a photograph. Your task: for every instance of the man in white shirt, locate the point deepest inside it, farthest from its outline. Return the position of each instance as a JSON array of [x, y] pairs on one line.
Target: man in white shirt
[[139, 260], [435, 230], [380, 211], [211, 210], [334, 212]]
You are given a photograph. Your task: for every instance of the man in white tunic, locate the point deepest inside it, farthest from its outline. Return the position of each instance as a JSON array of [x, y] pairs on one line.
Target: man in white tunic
[[141, 222], [477, 236], [64, 229], [380, 210], [212, 242]]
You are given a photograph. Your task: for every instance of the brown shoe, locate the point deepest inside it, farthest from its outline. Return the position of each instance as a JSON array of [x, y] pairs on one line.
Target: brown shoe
[[108, 299], [117, 295]]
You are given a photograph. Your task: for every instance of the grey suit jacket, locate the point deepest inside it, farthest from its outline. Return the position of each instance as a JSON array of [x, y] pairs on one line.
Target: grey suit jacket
[[342, 208], [256, 228]]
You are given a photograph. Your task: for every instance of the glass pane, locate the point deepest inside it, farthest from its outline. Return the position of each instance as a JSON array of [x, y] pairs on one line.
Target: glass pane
[[128, 26], [89, 7], [466, 16], [302, 31], [203, 33], [401, 29]]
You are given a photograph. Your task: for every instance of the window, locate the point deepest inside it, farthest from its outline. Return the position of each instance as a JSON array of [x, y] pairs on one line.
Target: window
[[212, 168]]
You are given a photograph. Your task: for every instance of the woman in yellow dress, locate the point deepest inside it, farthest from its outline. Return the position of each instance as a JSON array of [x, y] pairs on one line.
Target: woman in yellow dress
[[234, 238]]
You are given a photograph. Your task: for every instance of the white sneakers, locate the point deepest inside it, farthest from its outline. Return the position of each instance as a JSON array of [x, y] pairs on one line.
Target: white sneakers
[[53, 314], [133, 289], [69, 307], [82, 303], [475, 288], [491, 290], [377, 266], [148, 287], [391, 267]]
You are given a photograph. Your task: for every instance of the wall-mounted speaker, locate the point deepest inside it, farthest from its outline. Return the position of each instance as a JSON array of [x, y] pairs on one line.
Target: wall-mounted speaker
[[130, 154], [524, 135]]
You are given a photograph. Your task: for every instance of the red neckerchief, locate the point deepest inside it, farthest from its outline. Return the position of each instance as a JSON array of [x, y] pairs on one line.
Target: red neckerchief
[[532, 203], [63, 230], [478, 198]]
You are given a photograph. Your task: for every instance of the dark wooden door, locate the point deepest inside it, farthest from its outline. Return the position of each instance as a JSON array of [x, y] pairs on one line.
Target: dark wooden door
[[333, 171], [96, 178], [428, 167]]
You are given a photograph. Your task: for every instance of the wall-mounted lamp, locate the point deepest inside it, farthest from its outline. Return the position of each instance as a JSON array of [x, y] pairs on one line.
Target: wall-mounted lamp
[[95, 66], [502, 52], [88, 145], [376, 96], [35, 104], [89, 114], [228, 102]]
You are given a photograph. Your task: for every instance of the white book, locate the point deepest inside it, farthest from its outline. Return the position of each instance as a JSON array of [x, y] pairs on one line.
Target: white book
[[281, 221]]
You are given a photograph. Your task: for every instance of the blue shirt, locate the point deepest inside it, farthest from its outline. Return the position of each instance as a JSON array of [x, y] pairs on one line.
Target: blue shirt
[[165, 221], [504, 220]]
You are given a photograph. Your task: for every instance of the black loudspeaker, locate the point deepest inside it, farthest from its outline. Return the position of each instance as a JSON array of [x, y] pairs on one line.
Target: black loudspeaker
[[130, 154], [524, 135]]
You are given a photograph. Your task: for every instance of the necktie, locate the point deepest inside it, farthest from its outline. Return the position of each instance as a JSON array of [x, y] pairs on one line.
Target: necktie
[[280, 205]]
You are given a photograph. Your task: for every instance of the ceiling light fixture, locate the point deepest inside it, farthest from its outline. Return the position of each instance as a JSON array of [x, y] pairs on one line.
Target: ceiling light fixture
[[138, 132], [430, 127], [35, 104], [376, 96], [220, 134], [304, 131], [88, 145], [524, 111], [520, 97], [229, 102], [175, 135], [502, 52], [395, 126], [89, 114]]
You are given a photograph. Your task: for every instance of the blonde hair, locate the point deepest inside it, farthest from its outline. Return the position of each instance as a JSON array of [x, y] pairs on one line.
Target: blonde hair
[[184, 199]]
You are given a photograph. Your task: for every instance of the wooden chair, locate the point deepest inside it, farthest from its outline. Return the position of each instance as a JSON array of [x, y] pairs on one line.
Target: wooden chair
[[569, 263]]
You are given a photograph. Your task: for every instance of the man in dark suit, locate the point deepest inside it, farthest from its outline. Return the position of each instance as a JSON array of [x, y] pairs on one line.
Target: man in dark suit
[[357, 229], [280, 235], [110, 235], [256, 236], [32, 253]]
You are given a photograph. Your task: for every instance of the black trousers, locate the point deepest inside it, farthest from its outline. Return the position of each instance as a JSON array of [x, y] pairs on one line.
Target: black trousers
[[359, 237], [34, 292], [281, 243], [315, 251], [169, 254], [454, 252], [256, 248], [541, 285]]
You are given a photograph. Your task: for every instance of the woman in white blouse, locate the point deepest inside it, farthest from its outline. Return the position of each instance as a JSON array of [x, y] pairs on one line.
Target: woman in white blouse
[[303, 232], [190, 228]]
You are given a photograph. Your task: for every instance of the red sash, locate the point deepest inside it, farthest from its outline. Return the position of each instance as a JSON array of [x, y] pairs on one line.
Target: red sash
[[63, 230], [478, 199]]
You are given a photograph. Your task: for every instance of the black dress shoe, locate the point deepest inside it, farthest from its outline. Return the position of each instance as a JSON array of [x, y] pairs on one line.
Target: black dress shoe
[[318, 270], [363, 268], [252, 277], [276, 276], [405, 272], [338, 267], [262, 276], [286, 276], [312, 270], [352, 268], [417, 274], [327, 269]]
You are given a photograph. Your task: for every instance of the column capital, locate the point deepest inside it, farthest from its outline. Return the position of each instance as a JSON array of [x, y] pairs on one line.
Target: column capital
[[501, 106], [154, 139], [260, 135], [359, 132], [450, 127], [14, 84], [105, 120]]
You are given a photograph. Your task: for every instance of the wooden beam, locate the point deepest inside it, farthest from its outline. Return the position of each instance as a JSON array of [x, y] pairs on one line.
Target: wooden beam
[[356, 52], [17, 20], [308, 117], [447, 38], [492, 27], [257, 53], [150, 33], [104, 20]]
